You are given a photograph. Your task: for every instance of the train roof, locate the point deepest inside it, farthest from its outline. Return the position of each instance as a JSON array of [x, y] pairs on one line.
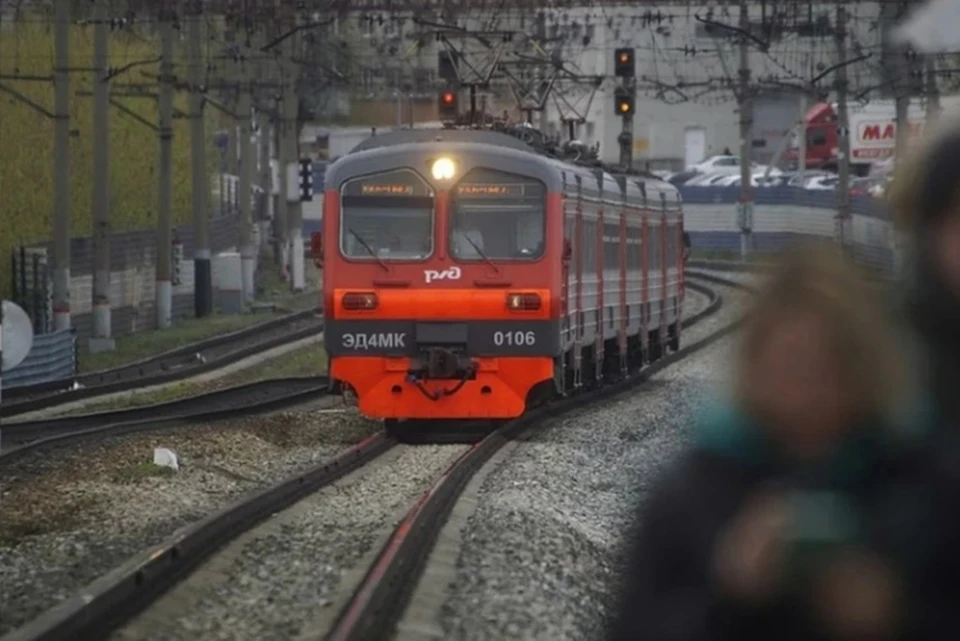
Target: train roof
[[412, 136], [604, 177]]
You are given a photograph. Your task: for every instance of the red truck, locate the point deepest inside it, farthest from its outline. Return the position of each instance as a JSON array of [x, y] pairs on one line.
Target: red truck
[[873, 135]]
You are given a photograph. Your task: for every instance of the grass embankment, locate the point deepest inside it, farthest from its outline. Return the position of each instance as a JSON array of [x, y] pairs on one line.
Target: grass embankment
[[270, 289], [135, 347], [307, 361]]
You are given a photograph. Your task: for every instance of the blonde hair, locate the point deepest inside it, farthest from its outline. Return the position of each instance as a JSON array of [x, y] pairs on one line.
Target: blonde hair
[[912, 175], [818, 278]]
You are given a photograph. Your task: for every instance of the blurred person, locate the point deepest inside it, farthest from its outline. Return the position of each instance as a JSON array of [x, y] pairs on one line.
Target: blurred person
[[925, 198], [802, 510]]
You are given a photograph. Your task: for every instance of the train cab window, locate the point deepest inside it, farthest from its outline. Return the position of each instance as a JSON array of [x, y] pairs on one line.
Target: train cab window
[[387, 216], [497, 216]]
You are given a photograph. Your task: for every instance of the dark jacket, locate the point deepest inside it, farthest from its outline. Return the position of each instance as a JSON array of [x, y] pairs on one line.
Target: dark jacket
[[934, 314], [668, 589]]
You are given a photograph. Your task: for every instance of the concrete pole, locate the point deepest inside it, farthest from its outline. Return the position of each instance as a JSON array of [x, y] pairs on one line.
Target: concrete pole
[[200, 187], [932, 90], [625, 139], [248, 253], [264, 72], [164, 291], [265, 180], [745, 100], [843, 226], [802, 153], [101, 337], [61, 169], [294, 205]]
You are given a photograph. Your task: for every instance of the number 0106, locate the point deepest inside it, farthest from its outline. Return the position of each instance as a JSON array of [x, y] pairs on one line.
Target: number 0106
[[514, 339]]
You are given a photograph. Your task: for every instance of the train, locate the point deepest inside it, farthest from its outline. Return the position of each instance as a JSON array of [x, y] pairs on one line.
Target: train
[[470, 275]]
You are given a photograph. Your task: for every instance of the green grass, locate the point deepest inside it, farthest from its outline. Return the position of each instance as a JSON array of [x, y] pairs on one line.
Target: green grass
[[309, 361], [142, 345], [140, 471], [149, 343]]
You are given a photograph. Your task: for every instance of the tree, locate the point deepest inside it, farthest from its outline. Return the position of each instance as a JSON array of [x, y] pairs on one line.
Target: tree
[[26, 138]]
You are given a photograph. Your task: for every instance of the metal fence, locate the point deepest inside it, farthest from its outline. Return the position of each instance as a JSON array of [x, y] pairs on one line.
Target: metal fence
[[785, 214], [132, 279], [53, 357]]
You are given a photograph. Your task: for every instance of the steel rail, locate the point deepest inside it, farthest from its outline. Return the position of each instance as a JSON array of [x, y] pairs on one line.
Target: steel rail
[[175, 365], [115, 597], [118, 596], [242, 400], [384, 593]]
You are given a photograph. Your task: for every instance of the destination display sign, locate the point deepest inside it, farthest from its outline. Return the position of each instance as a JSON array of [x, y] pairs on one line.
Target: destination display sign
[[397, 183], [386, 190], [503, 190]]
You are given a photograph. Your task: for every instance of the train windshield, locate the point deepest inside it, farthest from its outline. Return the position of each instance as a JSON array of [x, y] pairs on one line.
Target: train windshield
[[388, 216], [497, 216]]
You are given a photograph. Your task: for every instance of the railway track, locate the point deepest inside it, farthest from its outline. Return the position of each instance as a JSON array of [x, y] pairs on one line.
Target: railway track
[[376, 605], [251, 398], [183, 362]]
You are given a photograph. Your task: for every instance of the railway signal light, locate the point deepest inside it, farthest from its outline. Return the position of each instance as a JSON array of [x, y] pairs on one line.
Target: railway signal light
[[449, 109], [623, 63], [623, 102], [306, 180]]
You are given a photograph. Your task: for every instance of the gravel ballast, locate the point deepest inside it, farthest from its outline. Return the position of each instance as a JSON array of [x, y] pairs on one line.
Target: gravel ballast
[[540, 554], [288, 576], [69, 515], [77, 514]]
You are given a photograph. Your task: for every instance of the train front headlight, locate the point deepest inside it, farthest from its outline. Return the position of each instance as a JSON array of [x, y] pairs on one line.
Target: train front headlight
[[443, 169]]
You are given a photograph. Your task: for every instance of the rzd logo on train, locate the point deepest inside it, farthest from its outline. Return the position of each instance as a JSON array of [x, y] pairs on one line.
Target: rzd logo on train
[[453, 273]]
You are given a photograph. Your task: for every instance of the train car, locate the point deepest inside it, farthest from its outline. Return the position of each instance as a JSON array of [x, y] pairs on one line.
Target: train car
[[467, 275]]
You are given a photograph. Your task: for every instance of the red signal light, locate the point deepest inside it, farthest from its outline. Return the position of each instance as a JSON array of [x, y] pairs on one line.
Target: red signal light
[[448, 98]]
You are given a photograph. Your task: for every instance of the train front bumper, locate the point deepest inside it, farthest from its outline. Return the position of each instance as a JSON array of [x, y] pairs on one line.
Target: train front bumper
[[497, 388]]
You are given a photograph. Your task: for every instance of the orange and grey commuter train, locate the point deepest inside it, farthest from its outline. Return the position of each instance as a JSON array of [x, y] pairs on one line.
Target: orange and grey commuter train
[[466, 275]]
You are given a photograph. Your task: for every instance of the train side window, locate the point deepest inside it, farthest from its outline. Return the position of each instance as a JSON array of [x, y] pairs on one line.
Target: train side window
[[633, 247], [671, 231], [589, 246], [653, 249], [611, 246]]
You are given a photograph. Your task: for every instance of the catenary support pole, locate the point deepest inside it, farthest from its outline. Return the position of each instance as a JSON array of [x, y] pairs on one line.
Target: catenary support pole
[[265, 211], [294, 204], [61, 169], [248, 255], [101, 339], [200, 186], [164, 291], [843, 221], [265, 69], [802, 140], [932, 89], [625, 139], [745, 100]]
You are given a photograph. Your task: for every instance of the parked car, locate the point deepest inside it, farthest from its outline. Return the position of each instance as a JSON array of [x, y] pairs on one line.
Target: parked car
[[681, 177], [822, 183], [799, 180], [708, 180], [718, 164]]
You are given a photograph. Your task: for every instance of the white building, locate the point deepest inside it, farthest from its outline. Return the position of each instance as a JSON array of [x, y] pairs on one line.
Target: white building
[[687, 70], [686, 64]]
